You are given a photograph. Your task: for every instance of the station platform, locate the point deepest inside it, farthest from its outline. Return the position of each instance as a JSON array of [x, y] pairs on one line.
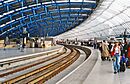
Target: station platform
[[95, 71], [90, 71], [102, 73], [14, 52]]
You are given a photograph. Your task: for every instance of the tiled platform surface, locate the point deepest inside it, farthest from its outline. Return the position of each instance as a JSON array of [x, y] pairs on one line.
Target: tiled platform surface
[[14, 52], [102, 73], [68, 70], [78, 75]]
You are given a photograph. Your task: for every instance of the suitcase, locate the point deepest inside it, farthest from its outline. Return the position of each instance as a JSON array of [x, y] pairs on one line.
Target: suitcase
[[103, 58], [122, 67]]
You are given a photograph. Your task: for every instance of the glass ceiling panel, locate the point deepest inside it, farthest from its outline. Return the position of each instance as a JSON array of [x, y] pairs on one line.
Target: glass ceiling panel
[[34, 10], [107, 20], [114, 21], [127, 12], [113, 11], [109, 23], [116, 6], [124, 17], [117, 19], [107, 14], [101, 19]]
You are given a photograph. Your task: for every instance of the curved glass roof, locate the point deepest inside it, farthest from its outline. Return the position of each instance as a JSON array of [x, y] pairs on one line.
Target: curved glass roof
[[42, 17], [110, 18]]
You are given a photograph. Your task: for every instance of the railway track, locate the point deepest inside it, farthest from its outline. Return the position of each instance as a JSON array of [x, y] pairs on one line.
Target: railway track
[[24, 66], [42, 74], [23, 58]]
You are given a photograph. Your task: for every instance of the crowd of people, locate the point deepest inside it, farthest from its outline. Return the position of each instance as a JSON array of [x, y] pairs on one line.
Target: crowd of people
[[118, 52]]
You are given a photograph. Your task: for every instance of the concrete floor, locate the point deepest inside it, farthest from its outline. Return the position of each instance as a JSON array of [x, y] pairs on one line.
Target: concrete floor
[[102, 73], [78, 75], [14, 52], [68, 70]]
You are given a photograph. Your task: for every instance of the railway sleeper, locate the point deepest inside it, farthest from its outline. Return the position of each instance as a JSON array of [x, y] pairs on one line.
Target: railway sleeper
[[25, 67], [59, 70], [26, 76], [9, 62]]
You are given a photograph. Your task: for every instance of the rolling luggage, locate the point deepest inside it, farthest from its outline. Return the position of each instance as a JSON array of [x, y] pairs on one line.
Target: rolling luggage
[[123, 62], [103, 58], [122, 67]]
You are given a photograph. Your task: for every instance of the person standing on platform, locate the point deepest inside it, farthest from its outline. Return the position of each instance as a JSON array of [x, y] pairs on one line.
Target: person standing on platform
[[6, 41], [125, 47], [95, 43], [105, 51], [22, 47], [121, 48], [116, 57], [100, 46], [110, 47], [5, 46], [128, 55]]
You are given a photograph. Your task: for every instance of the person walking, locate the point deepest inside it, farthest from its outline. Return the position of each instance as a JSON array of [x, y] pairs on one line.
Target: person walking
[[128, 55], [4, 46], [116, 57], [95, 43], [105, 51], [121, 48], [110, 48], [125, 47]]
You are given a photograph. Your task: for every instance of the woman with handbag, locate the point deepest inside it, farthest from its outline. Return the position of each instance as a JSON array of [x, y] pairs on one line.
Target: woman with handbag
[[116, 57]]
